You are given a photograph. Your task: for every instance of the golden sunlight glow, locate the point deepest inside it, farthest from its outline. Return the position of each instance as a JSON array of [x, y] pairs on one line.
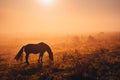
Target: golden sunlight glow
[[46, 2], [36, 17]]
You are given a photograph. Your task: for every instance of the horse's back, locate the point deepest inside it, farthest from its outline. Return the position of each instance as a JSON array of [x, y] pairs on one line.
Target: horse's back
[[42, 44], [36, 48]]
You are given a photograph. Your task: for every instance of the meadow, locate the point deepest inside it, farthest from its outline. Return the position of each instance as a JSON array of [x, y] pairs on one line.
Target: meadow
[[76, 57]]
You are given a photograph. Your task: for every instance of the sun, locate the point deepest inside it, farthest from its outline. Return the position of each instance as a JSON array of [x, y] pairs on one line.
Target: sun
[[46, 2]]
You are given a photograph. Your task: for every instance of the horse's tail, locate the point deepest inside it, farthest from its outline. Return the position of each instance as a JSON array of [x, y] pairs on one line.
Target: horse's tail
[[17, 57]]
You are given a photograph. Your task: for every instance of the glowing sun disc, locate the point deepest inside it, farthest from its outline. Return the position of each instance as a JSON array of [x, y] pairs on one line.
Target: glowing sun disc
[[46, 2]]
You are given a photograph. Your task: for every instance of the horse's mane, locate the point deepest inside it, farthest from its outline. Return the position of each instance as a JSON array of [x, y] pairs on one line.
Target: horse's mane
[[42, 43]]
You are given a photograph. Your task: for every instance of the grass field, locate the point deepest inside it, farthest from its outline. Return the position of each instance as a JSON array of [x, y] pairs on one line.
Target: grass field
[[83, 57]]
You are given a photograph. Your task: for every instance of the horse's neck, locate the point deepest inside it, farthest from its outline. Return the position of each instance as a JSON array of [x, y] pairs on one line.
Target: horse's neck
[[49, 52]]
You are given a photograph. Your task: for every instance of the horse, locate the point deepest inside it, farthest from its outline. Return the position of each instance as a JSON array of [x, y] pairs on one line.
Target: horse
[[40, 48]]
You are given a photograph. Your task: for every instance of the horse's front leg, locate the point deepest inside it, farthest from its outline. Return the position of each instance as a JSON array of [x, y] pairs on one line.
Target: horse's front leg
[[40, 58]]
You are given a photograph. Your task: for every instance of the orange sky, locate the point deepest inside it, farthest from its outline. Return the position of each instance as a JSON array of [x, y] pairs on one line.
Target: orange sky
[[61, 17]]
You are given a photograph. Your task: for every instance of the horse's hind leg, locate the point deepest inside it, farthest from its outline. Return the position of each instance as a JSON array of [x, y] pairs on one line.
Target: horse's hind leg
[[39, 59], [27, 55]]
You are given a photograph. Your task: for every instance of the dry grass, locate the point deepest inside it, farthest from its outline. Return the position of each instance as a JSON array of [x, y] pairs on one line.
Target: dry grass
[[80, 58]]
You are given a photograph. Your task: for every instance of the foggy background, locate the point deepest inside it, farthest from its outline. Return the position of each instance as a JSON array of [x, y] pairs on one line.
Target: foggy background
[[31, 17]]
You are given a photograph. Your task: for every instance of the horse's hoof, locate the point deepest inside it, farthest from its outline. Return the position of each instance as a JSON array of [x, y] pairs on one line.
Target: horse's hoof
[[27, 63], [41, 62]]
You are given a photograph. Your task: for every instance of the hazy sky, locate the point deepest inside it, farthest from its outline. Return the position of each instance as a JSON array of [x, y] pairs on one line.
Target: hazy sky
[[58, 16]]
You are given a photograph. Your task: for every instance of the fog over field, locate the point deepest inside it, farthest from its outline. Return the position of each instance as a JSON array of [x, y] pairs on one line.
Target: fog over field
[[36, 17], [81, 39], [76, 57]]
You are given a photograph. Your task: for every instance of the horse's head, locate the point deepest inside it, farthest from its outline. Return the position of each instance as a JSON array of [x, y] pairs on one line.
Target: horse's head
[[51, 62], [51, 56]]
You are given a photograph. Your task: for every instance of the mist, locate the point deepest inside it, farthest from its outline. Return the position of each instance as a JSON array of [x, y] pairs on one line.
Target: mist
[[20, 18]]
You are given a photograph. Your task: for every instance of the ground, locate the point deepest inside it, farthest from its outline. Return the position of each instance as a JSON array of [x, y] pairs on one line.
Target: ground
[[80, 58]]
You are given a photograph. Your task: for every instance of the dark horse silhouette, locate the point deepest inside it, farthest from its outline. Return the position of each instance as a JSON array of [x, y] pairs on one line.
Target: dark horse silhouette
[[35, 48]]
